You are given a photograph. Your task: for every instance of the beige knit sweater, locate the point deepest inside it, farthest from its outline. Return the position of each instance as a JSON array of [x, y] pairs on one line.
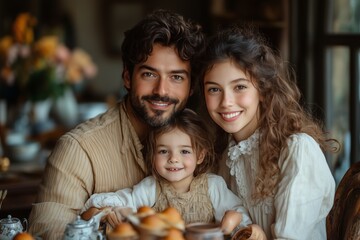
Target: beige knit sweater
[[194, 205]]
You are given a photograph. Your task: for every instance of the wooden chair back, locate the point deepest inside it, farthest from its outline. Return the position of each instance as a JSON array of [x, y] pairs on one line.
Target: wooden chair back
[[343, 221]]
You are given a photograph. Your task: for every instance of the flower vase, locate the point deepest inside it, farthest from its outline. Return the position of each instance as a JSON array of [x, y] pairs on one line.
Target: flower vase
[[65, 109], [39, 116]]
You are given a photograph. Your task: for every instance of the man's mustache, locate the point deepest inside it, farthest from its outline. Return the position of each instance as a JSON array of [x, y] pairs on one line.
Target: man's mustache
[[159, 98]]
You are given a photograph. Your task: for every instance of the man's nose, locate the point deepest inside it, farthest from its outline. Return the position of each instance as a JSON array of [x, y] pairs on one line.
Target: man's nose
[[161, 87]]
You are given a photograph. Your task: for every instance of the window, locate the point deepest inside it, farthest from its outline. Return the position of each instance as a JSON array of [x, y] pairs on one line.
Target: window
[[337, 64], [344, 16], [337, 86]]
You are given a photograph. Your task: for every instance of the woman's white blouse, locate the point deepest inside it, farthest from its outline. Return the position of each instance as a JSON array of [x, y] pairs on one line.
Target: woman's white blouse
[[304, 195]]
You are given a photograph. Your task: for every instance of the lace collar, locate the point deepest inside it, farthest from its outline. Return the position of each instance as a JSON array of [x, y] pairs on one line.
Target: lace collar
[[245, 147]]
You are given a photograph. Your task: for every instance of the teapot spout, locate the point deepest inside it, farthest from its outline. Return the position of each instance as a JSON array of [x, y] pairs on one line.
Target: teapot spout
[[97, 217]]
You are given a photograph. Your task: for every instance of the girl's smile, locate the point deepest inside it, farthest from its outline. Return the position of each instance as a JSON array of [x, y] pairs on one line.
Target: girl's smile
[[175, 159]]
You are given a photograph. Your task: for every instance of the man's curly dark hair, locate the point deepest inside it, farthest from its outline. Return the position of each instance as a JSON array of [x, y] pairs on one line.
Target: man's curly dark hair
[[168, 29]]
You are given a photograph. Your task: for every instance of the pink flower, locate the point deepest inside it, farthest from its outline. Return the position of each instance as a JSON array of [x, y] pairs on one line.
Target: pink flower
[[62, 54], [80, 66]]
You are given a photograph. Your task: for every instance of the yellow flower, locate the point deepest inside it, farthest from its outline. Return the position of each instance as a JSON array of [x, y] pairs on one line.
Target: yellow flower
[[23, 28], [40, 68], [46, 47], [5, 45], [7, 75]]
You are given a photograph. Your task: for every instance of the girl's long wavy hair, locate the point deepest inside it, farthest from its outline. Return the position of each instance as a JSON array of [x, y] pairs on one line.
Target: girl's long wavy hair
[[191, 124], [281, 113]]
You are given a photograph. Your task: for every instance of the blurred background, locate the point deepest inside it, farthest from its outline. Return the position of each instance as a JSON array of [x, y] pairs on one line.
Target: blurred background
[[68, 51]]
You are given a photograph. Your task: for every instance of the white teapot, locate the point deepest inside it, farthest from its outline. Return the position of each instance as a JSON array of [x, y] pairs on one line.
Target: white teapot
[[10, 226], [84, 230]]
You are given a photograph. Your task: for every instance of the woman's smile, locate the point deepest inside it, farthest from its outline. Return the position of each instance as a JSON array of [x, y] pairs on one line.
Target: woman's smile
[[230, 116]]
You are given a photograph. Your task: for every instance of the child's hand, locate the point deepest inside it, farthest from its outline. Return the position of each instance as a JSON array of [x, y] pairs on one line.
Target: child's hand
[[230, 221], [90, 213], [257, 233], [117, 216]]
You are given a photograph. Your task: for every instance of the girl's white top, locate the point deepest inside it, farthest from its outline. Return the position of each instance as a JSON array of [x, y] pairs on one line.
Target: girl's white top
[[304, 194], [144, 194]]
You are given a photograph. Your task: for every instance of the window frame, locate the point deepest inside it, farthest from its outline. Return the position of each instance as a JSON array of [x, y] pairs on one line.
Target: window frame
[[323, 40]]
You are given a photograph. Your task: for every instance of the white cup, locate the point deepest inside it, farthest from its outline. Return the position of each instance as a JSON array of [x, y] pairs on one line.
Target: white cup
[[3, 112]]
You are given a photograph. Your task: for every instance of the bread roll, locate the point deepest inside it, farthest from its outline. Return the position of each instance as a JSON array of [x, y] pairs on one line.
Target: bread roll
[[123, 230], [144, 211], [153, 223], [174, 234], [172, 216]]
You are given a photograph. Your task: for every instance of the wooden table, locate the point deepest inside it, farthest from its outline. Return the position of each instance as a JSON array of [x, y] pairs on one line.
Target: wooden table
[[22, 181]]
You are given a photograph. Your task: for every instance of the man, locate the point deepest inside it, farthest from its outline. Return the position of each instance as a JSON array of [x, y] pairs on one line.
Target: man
[[104, 154]]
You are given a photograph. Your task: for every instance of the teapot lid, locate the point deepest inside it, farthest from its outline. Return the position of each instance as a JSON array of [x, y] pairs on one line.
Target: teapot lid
[[80, 223], [9, 220]]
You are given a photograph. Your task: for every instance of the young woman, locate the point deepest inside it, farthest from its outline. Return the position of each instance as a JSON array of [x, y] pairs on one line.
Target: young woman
[[275, 161], [180, 153]]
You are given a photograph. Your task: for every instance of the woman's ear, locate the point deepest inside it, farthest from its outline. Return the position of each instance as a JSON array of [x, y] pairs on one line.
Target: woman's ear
[[261, 98], [201, 157]]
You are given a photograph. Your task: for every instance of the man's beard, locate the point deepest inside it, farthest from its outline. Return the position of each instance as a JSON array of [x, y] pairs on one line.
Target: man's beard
[[157, 120]]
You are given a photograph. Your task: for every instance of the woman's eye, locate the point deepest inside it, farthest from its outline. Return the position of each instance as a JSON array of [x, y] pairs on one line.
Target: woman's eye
[[213, 90], [240, 87]]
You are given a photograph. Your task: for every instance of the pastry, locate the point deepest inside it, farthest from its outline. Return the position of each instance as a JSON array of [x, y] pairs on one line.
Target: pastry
[[153, 223], [144, 211], [123, 230], [172, 216], [23, 236], [174, 234]]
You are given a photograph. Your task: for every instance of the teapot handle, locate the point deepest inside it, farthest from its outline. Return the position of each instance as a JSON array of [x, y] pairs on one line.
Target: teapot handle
[[99, 236], [25, 224]]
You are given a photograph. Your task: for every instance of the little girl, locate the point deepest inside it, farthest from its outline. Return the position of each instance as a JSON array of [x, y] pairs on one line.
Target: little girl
[[275, 161], [180, 153]]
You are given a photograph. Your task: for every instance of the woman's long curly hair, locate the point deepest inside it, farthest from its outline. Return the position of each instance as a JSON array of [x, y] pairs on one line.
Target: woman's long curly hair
[[281, 113]]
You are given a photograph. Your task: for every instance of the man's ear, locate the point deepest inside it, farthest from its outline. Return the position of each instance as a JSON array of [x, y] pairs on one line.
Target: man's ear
[[201, 157], [191, 92], [127, 79]]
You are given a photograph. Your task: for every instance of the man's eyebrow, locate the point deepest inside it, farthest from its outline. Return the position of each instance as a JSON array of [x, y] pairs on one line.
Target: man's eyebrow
[[178, 71], [147, 67], [181, 71]]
